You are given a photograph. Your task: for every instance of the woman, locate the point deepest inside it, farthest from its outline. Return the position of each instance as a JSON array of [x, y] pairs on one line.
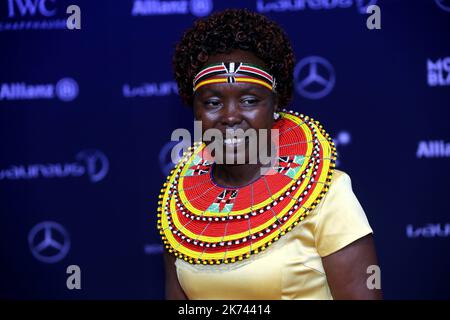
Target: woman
[[232, 230]]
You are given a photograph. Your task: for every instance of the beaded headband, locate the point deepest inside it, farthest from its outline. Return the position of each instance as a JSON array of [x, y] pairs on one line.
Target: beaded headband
[[232, 72]]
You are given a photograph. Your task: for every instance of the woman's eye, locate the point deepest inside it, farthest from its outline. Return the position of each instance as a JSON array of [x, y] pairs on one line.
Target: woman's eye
[[250, 101], [212, 103]]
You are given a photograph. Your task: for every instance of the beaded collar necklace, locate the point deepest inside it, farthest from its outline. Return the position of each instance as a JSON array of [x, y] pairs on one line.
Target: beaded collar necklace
[[204, 223]]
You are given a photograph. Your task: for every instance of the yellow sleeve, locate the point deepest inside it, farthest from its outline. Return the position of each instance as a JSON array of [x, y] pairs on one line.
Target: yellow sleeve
[[340, 219]]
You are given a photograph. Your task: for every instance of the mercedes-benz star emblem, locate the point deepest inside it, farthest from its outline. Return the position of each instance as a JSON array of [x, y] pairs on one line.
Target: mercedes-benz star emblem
[[314, 77], [49, 241]]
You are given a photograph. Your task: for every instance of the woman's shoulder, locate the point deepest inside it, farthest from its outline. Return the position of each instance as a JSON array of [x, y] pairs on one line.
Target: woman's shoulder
[[340, 190], [339, 219], [338, 175], [341, 182]]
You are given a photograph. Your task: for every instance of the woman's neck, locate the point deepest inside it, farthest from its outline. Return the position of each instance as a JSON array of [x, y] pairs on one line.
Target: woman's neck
[[236, 175]]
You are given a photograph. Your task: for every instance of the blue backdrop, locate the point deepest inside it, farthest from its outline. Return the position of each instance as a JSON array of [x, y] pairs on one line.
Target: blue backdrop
[[86, 117]]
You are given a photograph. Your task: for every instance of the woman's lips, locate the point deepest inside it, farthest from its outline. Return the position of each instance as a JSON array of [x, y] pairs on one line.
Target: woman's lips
[[233, 141]]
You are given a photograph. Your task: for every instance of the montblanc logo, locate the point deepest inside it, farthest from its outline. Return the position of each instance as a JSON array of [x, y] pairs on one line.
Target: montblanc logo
[[91, 163], [199, 8], [151, 89], [431, 230], [32, 14], [65, 89], [433, 149], [438, 72], [301, 5]]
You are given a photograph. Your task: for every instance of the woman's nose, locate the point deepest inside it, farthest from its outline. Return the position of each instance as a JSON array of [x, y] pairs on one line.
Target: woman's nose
[[231, 115]]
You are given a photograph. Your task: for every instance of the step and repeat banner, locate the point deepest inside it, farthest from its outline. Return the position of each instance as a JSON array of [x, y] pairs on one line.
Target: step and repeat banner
[[88, 103]]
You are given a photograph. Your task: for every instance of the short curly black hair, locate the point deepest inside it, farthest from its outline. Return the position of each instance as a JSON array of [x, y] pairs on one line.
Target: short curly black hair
[[231, 29]]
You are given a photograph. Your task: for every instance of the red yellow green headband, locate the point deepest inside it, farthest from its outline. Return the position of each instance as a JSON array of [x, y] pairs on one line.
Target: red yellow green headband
[[232, 72]]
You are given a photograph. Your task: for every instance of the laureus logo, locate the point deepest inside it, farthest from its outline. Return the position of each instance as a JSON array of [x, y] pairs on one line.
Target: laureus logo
[[91, 163]]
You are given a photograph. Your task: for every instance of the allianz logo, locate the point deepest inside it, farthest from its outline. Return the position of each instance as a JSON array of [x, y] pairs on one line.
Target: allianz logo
[[199, 8], [161, 89], [65, 89], [431, 230], [151, 249], [300, 5], [433, 149]]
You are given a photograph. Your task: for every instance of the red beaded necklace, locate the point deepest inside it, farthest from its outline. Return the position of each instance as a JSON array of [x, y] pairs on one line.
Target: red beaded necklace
[[202, 222]]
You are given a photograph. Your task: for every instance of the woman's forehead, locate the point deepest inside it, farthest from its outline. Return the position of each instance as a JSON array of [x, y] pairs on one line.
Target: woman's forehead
[[232, 88], [236, 55]]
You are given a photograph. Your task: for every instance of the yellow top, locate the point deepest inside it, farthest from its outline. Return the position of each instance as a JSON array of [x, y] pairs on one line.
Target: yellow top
[[290, 268]]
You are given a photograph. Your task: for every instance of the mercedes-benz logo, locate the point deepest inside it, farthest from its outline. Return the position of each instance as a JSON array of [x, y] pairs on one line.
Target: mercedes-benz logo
[[314, 77], [49, 241], [444, 4]]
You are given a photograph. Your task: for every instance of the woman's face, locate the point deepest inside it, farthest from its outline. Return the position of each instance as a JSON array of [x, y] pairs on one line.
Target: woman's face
[[234, 106]]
